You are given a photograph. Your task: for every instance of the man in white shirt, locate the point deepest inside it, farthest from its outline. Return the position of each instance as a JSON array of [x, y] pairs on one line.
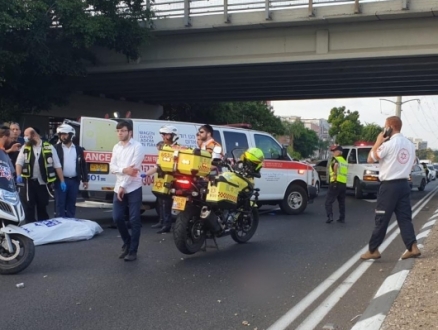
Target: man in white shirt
[[126, 161], [37, 166], [74, 168], [396, 155]]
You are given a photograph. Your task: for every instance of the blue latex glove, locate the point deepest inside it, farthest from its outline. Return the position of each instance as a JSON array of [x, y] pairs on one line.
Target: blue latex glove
[[19, 179], [63, 187]]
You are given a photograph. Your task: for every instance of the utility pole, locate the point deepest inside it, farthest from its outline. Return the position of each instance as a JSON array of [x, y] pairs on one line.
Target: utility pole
[[398, 104]]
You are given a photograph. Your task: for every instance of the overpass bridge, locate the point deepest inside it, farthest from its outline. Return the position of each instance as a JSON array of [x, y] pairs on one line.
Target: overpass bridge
[[229, 50]]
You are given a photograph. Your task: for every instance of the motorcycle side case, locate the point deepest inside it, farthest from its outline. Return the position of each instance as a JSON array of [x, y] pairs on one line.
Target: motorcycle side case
[[162, 183], [166, 158], [224, 190], [194, 162], [12, 229]]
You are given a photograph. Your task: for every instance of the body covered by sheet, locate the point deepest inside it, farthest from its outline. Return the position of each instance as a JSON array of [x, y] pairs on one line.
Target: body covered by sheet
[[61, 230]]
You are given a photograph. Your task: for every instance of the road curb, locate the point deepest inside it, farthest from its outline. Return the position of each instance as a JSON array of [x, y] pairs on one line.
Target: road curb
[[377, 310]]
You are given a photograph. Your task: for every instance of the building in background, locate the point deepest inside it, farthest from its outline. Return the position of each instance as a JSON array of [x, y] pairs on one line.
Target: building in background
[[419, 143], [319, 126]]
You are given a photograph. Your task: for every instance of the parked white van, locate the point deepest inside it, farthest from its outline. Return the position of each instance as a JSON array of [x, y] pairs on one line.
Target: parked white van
[[362, 177], [285, 182]]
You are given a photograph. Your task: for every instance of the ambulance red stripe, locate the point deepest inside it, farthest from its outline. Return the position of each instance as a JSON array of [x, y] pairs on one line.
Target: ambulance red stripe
[[105, 157]]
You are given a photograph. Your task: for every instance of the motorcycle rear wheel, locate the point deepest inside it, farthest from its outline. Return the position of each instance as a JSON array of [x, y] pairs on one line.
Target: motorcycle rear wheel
[[20, 259], [246, 230], [188, 232]]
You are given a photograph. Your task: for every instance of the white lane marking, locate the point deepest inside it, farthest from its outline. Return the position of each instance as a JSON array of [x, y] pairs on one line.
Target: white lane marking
[[423, 234], [370, 200], [326, 306], [434, 216], [392, 282], [429, 223], [291, 315]]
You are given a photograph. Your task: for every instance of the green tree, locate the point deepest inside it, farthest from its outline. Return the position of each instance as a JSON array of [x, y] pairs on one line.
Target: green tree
[[45, 42], [345, 125], [435, 154], [323, 146], [304, 141], [370, 132], [426, 154], [258, 114]]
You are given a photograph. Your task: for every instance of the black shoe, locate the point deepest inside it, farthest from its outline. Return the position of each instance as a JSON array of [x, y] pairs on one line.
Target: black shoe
[[157, 225], [163, 230], [329, 219], [131, 256], [340, 220], [125, 251]]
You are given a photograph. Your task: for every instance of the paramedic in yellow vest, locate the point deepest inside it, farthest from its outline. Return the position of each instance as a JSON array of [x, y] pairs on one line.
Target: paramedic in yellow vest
[[37, 165], [169, 135], [338, 171]]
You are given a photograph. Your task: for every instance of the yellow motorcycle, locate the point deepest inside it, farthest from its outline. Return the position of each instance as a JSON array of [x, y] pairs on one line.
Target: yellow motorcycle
[[214, 206]]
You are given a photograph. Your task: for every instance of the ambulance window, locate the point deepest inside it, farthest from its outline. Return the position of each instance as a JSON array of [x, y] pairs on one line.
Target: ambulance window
[[352, 159], [271, 149], [363, 155], [235, 140], [217, 136], [345, 153]]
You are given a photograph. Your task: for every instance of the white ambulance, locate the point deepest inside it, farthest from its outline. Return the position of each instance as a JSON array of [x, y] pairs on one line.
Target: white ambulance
[[285, 182]]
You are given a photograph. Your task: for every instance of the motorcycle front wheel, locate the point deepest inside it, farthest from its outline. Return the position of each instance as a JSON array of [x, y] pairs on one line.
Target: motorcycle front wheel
[[188, 232], [20, 258], [245, 227]]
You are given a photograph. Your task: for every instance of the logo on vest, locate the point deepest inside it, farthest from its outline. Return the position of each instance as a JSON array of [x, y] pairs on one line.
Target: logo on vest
[[403, 156]]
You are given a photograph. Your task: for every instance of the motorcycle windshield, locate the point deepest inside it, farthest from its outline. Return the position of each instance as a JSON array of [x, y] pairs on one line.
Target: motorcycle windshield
[[6, 174]]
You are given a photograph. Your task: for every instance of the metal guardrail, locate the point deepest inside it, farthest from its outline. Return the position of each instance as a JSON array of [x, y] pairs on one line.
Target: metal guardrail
[[190, 8]]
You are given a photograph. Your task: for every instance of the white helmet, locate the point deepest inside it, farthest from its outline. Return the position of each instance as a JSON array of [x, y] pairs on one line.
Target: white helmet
[[168, 129], [66, 129]]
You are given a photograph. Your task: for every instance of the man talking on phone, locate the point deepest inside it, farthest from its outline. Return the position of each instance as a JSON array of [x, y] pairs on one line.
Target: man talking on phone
[[396, 155]]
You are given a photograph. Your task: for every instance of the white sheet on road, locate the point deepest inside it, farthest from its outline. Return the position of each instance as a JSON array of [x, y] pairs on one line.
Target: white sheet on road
[[62, 230]]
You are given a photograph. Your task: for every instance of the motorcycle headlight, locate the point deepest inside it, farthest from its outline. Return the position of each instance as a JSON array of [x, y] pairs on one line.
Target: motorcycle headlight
[[9, 196]]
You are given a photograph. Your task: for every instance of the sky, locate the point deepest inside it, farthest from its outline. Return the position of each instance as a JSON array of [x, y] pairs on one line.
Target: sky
[[419, 120]]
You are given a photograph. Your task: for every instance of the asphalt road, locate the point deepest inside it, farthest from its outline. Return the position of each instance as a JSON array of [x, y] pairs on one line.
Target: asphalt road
[[83, 285]]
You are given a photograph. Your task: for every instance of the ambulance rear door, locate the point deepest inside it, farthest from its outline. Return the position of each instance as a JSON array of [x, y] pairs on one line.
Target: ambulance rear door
[[98, 137]]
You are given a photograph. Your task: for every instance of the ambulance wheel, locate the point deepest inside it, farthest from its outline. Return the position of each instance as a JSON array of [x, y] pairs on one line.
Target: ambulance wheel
[[294, 201], [358, 193], [422, 186]]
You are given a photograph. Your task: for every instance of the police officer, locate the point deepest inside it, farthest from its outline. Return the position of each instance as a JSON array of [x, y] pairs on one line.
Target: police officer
[[396, 155], [37, 166], [338, 170]]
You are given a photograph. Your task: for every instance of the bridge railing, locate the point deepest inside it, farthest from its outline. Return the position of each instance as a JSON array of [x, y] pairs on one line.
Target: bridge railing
[[190, 8]]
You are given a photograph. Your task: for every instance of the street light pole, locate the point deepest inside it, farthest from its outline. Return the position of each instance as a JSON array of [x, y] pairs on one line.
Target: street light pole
[[398, 104]]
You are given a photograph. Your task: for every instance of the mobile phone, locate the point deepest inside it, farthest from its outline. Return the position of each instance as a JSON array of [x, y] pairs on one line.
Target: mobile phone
[[387, 132]]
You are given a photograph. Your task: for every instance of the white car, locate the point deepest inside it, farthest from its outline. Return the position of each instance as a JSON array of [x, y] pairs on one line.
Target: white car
[[432, 172], [417, 178]]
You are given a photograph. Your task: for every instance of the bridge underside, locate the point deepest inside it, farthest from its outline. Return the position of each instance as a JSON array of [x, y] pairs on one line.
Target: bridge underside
[[388, 76]]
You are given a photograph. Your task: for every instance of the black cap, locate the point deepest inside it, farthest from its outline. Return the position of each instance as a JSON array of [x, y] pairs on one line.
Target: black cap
[[337, 148]]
